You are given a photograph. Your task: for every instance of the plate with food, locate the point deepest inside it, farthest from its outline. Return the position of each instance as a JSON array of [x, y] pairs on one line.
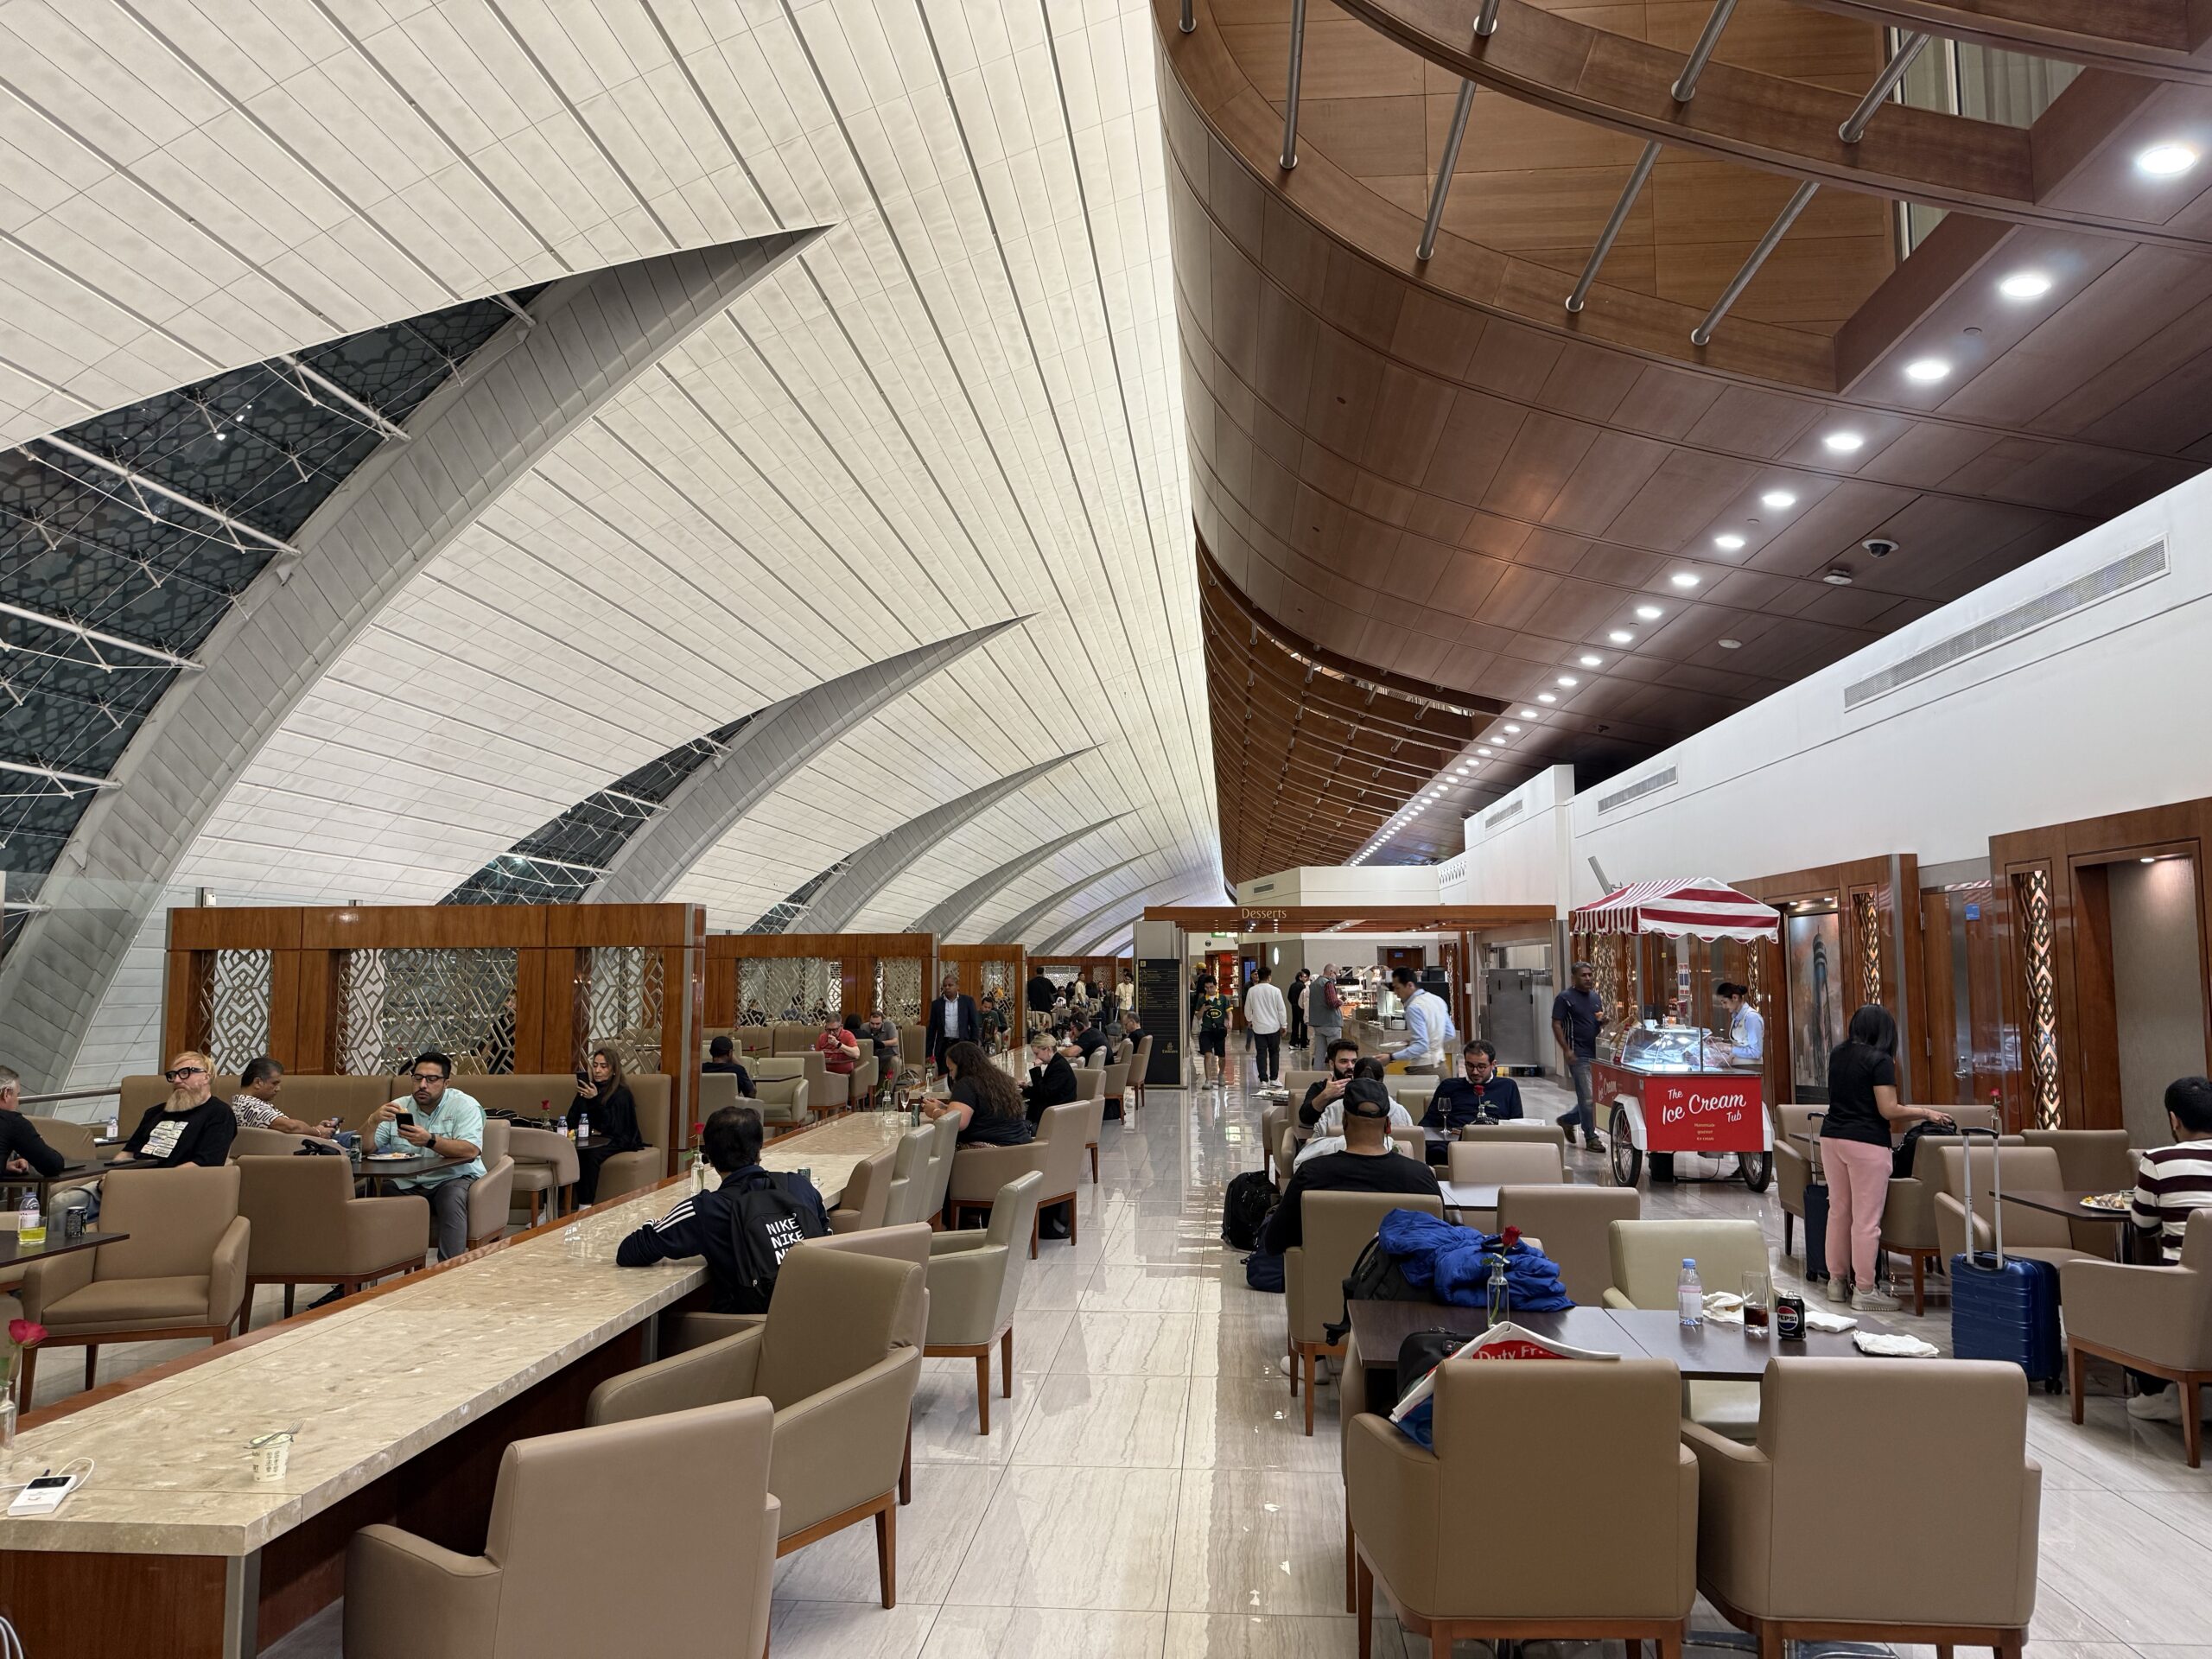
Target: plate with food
[[2108, 1201], [393, 1157]]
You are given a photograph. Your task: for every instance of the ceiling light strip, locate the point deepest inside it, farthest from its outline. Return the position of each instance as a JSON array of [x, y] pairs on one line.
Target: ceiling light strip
[[147, 485]]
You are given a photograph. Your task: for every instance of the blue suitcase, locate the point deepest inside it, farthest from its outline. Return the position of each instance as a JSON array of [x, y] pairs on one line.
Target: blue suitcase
[[2000, 1309]]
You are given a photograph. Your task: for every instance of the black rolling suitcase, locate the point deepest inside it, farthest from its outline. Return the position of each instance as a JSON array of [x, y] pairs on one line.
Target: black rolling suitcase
[[2001, 1309], [1816, 1205]]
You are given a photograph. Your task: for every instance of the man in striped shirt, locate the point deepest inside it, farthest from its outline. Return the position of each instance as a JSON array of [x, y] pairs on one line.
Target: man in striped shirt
[[2170, 1182]]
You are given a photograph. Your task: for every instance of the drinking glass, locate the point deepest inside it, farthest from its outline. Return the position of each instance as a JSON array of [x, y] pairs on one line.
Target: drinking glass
[[1758, 1304]]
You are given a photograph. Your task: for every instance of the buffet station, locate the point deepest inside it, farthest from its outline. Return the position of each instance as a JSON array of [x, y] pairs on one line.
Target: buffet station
[[1663, 1089]]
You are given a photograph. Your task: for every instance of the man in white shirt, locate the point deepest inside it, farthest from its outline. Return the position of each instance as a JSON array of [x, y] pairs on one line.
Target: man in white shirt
[[1265, 1016], [1746, 1028], [1327, 1133], [1428, 1024]]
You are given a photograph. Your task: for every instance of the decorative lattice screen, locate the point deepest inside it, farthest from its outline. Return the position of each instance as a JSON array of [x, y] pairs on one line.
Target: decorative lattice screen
[[234, 1013], [899, 990], [620, 1004], [787, 988], [396, 1003], [1866, 922], [2039, 994]]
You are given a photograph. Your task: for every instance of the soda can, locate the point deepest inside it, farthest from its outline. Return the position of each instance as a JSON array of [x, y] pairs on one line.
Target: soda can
[[1790, 1318]]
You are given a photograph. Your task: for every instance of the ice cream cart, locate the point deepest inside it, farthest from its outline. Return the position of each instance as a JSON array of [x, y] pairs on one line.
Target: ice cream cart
[[1664, 1089]]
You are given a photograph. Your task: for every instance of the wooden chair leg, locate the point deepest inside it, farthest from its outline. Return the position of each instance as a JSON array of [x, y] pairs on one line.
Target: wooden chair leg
[[1363, 1601], [534, 1196], [30, 1374], [1032, 1236], [1072, 1237], [1942, 1650], [1005, 1362], [887, 1551], [2075, 1360], [1440, 1640], [2192, 1423], [92, 1364], [1351, 1569], [1670, 1647], [1307, 1361], [1094, 1163], [1787, 1218], [983, 1392], [1293, 1368], [907, 1464], [1771, 1645], [289, 1289]]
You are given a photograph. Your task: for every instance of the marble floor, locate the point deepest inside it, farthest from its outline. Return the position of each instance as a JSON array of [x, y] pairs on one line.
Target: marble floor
[[1148, 1494]]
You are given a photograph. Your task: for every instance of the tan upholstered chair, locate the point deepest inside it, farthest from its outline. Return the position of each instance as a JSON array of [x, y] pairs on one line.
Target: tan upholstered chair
[[1574, 1225], [1792, 1165], [1414, 1094], [181, 1273], [1411, 1142], [545, 1166], [781, 1089], [2032, 1233], [1117, 1088], [910, 1177], [1647, 1262], [979, 1173], [867, 1197], [912, 1045], [1298, 1083], [861, 1081], [941, 1152], [1579, 1429], [1335, 1227], [974, 1283], [1139, 1064], [1091, 1083], [662, 1537], [795, 1036], [309, 1228], [1528, 1131], [1503, 1163], [493, 1196], [754, 1040], [828, 1358], [265, 1143], [1924, 1466], [1909, 1210], [716, 1091], [909, 1244], [2155, 1320]]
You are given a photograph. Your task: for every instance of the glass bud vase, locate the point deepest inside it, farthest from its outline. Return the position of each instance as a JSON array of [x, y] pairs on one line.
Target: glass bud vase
[[1500, 1306]]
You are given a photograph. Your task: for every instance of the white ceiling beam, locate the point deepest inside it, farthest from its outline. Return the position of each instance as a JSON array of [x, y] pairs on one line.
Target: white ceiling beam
[[94, 636], [146, 486]]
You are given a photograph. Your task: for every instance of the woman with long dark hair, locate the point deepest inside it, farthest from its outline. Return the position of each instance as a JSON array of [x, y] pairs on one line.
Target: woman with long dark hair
[[982, 1099], [1863, 1108], [603, 1097]]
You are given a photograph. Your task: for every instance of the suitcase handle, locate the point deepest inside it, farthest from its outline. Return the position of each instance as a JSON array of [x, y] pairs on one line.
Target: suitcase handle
[[1996, 1191]]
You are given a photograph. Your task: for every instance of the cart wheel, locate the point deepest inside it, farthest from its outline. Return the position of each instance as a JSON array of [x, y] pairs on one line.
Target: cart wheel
[[1628, 1162], [1757, 1169]]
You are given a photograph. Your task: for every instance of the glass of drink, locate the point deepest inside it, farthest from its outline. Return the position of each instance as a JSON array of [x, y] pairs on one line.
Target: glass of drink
[[1758, 1304]]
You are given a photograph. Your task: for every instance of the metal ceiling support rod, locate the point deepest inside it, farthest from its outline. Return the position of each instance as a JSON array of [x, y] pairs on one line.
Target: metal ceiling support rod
[[1685, 86], [94, 636], [311, 381], [77, 778], [1189, 22], [1486, 26], [1702, 335], [1908, 49], [147, 485], [1289, 157], [554, 863], [1634, 188]]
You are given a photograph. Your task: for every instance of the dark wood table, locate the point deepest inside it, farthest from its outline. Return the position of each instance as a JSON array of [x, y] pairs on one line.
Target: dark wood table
[[14, 1255], [46, 1183], [2066, 1202], [400, 1169]]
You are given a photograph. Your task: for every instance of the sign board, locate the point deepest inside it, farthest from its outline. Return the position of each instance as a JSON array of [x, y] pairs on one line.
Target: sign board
[[1726, 1114], [1160, 1008]]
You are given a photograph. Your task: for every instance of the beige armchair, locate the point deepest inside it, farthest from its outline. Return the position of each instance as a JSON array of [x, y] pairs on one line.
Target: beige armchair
[[1411, 1141], [1579, 1428], [1574, 1225], [1539, 1134], [1298, 1082], [1924, 1466], [1647, 1261], [1092, 1099], [910, 1177], [1796, 1127], [979, 1173], [1909, 1208], [662, 1535], [309, 1228], [867, 1198], [493, 1196], [975, 1284], [2032, 1233], [1336, 1228], [1117, 1088], [795, 1036], [181, 1273], [1502, 1163], [265, 1143], [941, 1152], [2153, 1319], [545, 1166], [829, 1359], [781, 1091], [1139, 1064]]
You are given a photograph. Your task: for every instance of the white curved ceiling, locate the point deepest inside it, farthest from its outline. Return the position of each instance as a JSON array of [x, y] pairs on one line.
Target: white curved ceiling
[[960, 405]]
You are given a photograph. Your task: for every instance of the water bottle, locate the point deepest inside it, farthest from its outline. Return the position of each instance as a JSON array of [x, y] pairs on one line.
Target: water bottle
[[30, 1226], [1689, 1296], [583, 1127]]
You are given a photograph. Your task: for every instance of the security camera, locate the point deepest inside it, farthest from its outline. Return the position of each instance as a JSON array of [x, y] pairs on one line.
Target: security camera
[[1880, 546]]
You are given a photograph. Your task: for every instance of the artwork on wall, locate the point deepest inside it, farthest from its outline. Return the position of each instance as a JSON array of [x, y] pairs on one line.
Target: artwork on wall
[[1816, 1018]]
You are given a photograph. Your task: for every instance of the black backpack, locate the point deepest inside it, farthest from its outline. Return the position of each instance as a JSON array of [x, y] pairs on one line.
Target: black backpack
[[1421, 1353], [765, 1223], [1244, 1208], [1375, 1277], [1909, 1148]]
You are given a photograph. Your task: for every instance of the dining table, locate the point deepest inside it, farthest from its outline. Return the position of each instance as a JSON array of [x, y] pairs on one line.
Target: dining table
[[2067, 1203]]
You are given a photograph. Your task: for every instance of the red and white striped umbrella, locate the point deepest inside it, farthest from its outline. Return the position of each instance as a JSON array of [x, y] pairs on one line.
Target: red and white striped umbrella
[[1709, 909]]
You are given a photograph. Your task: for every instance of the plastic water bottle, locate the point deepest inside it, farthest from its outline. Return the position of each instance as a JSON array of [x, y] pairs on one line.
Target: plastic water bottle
[[1689, 1295], [583, 1127], [30, 1226]]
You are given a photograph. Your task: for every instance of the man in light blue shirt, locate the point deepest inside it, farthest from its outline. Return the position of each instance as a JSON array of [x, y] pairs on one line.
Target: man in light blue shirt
[[1428, 1022], [442, 1121], [1746, 1028]]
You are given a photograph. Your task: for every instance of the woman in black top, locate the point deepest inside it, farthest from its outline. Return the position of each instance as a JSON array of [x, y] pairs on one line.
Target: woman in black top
[[982, 1099], [1863, 1107], [603, 1096]]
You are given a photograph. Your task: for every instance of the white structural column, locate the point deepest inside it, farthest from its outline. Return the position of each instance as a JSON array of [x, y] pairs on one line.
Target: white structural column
[[586, 338]]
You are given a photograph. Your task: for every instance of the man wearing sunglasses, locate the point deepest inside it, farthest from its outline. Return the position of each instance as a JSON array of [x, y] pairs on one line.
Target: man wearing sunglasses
[[448, 1123], [190, 1127]]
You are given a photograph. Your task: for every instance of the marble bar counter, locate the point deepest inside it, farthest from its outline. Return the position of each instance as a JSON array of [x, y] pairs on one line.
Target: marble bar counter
[[403, 1397]]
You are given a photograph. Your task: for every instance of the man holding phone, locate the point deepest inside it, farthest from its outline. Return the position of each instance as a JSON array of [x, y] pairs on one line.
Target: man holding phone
[[445, 1122]]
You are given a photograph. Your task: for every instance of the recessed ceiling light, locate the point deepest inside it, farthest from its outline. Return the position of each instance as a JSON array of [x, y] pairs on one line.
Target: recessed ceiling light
[[1545, 697], [1778, 499], [2168, 161], [1650, 613], [1483, 752], [1509, 727], [2025, 285], [1621, 637], [1730, 644], [1927, 370], [2149, 861], [1844, 443], [1526, 714], [1838, 578], [1589, 660], [1727, 543], [1568, 680], [1684, 578]]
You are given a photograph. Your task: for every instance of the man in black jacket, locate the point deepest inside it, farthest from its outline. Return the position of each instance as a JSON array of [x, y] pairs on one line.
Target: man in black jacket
[[25, 1152], [1480, 1097], [704, 1223], [1039, 994], [721, 1058], [953, 1019], [1370, 1162], [1052, 1079]]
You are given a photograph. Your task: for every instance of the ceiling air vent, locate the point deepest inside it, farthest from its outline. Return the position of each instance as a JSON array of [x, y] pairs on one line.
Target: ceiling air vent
[[1636, 791], [1504, 815], [2144, 565]]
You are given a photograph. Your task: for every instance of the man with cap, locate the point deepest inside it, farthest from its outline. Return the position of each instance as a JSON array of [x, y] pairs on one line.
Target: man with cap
[[1370, 1162]]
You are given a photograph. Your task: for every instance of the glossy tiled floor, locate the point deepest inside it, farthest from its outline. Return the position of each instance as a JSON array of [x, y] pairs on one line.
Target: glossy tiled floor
[[1148, 1494]]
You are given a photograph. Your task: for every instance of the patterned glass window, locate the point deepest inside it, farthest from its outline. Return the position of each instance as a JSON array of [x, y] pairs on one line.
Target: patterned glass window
[[2039, 998], [232, 1014], [899, 987], [1866, 922], [620, 1004], [396, 1003], [770, 989]]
